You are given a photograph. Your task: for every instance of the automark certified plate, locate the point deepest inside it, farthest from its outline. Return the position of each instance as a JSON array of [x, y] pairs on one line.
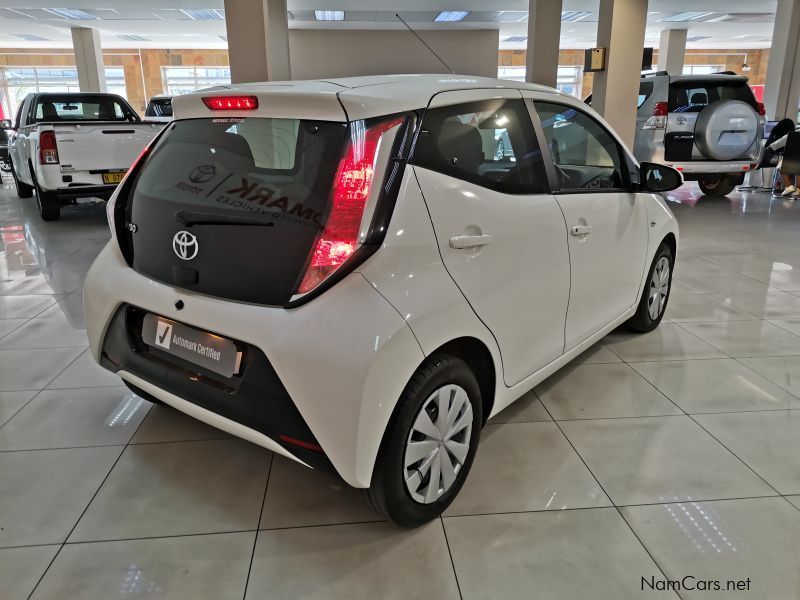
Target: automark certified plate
[[204, 349], [113, 177]]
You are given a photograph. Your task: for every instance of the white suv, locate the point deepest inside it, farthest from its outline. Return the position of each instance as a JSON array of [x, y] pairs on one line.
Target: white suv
[[348, 273]]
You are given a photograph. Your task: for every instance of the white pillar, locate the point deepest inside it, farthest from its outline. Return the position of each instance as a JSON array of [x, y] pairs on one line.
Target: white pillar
[[615, 91], [672, 50], [258, 40], [544, 33], [782, 89], [89, 59]]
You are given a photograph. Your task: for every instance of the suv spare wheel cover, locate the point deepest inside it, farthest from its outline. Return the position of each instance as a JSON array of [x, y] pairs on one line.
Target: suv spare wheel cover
[[726, 129]]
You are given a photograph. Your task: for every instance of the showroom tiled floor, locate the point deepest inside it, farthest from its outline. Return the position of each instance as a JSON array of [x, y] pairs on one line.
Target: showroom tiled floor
[[669, 454]]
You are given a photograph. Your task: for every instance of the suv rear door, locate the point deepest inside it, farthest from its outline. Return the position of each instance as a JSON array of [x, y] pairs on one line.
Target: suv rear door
[[500, 233]]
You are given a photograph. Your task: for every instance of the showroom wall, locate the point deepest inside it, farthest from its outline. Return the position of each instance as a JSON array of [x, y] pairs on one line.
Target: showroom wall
[[338, 53]]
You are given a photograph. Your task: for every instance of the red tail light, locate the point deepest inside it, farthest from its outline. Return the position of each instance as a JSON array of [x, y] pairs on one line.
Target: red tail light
[[762, 111], [660, 109], [231, 102], [351, 188], [48, 152]]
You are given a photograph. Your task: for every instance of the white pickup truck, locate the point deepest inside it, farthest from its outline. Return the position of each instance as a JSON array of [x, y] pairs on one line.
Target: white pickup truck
[[66, 146]]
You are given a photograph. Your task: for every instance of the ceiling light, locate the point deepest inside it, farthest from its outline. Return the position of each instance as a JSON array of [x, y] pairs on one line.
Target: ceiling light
[[574, 15], [329, 15], [719, 19], [516, 38], [687, 16], [449, 16], [130, 37], [29, 37], [71, 13], [204, 14]]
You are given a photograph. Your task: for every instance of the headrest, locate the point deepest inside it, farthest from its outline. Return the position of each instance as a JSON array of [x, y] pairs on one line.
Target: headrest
[[49, 111], [461, 145], [699, 98]]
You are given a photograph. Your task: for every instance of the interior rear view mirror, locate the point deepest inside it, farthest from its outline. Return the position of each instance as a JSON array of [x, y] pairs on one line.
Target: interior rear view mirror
[[6, 124], [659, 178]]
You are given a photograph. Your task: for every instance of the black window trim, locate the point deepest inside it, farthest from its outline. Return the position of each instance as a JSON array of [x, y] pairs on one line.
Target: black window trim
[[546, 187], [552, 174]]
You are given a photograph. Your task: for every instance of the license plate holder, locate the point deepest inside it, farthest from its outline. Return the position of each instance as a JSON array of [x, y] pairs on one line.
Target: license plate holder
[[212, 352], [113, 177]]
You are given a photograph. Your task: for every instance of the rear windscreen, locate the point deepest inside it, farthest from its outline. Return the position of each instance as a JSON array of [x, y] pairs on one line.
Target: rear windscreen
[[82, 108], [254, 191], [161, 107], [693, 96]]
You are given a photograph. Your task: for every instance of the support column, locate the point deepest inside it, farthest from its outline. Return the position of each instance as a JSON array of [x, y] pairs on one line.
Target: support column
[[89, 59], [672, 50], [544, 38], [258, 40], [782, 89], [615, 91]]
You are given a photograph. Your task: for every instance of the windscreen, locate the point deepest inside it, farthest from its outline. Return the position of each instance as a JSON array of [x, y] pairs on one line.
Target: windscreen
[[693, 96], [255, 194], [53, 108], [159, 107]]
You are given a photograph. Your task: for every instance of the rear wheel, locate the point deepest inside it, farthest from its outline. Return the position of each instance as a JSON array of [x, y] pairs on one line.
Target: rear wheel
[[655, 295], [720, 185], [48, 203], [429, 445], [23, 189]]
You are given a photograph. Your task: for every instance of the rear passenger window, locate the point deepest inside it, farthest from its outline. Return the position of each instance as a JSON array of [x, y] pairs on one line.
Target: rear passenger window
[[586, 156], [694, 95], [490, 143]]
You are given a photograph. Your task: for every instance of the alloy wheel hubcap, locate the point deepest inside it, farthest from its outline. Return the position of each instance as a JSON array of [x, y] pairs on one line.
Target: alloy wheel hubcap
[[438, 444], [659, 288]]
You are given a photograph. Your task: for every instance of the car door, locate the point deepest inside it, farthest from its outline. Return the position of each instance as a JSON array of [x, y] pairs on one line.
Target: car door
[[15, 143], [501, 235], [607, 225]]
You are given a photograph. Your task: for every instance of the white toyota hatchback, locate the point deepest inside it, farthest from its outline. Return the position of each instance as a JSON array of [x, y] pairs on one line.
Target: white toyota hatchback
[[351, 274]]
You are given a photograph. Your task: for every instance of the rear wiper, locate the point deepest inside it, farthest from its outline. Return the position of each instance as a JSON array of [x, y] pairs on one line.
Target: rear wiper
[[187, 219]]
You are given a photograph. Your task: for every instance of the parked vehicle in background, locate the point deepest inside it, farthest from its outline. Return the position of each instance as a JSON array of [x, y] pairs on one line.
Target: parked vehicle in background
[[159, 109], [350, 274], [709, 127], [65, 146]]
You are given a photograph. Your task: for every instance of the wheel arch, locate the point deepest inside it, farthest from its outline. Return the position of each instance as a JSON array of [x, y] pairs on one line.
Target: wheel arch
[[671, 243]]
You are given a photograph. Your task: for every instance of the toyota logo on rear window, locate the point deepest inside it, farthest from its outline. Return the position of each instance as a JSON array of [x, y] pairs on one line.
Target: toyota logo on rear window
[[185, 245], [202, 174]]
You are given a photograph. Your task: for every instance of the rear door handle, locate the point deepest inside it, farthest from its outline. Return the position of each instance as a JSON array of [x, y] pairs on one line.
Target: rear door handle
[[460, 242], [580, 230]]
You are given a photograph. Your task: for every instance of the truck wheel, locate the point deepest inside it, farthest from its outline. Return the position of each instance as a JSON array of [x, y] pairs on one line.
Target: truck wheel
[[720, 185], [429, 444], [23, 189], [48, 203]]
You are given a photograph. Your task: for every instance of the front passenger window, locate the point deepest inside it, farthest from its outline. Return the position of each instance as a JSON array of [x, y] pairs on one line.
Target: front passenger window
[[586, 156]]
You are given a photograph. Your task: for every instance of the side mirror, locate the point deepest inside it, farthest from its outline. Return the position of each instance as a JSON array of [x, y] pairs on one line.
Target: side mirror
[[659, 178], [6, 124]]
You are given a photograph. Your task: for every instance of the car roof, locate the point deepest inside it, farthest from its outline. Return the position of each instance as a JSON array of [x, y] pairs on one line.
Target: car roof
[[361, 97]]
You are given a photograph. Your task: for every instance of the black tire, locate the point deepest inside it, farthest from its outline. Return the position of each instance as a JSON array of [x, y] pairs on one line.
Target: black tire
[[23, 189], [718, 186], [48, 203], [642, 321], [388, 494]]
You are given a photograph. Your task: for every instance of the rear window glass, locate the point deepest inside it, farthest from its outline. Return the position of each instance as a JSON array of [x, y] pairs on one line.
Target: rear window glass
[[82, 108], [273, 169], [693, 96], [161, 107]]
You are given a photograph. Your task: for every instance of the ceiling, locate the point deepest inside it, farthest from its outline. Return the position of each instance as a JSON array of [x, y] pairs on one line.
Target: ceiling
[[723, 24]]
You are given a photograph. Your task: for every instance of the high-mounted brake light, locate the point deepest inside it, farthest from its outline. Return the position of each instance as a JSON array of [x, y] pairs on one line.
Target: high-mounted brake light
[[231, 102], [351, 188], [659, 118], [48, 151]]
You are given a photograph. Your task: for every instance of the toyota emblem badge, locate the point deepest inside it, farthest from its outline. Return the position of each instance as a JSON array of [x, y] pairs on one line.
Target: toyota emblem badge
[[185, 245]]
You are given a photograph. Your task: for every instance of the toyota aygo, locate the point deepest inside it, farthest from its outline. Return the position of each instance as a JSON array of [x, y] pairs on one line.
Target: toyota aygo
[[349, 273]]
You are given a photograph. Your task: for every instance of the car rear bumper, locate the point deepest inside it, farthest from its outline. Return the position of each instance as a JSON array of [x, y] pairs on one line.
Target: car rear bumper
[[341, 361], [689, 168], [86, 191]]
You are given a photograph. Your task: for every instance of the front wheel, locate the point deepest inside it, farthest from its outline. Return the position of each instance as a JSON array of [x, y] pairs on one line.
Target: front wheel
[[717, 186], [655, 295], [429, 445]]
